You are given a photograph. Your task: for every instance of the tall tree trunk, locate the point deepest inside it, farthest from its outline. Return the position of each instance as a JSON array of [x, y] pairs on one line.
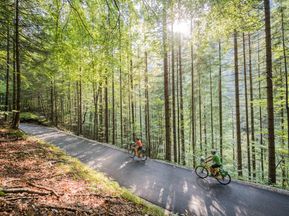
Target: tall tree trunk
[[80, 105], [77, 108], [100, 114], [252, 110], [95, 100], [52, 101], [282, 162], [140, 106], [200, 113], [16, 118], [260, 114], [174, 100], [166, 87], [182, 130], [55, 104], [106, 111], [211, 107], [113, 110], [238, 128], [270, 105], [14, 74], [286, 73], [7, 67], [120, 86], [220, 101], [205, 132], [233, 135], [246, 109], [178, 111], [147, 108], [132, 101], [69, 106], [121, 106], [193, 100]]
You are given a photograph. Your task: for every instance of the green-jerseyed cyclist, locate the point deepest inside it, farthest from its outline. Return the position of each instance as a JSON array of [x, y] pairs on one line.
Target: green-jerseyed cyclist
[[216, 159]]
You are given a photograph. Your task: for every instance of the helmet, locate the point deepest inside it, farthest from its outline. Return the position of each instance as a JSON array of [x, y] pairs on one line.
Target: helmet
[[213, 151]]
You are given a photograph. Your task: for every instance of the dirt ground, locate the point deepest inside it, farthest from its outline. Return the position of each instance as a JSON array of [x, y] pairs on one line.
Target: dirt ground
[[34, 180]]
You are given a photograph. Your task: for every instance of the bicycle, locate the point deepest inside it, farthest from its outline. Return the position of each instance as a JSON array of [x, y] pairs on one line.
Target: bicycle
[[142, 152], [222, 176]]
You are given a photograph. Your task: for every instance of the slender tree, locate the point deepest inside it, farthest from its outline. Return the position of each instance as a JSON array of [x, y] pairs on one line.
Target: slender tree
[[193, 99], [260, 112], [132, 101], [106, 116], [286, 73], [16, 119], [220, 101], [166, 86], [211, 107], [246, 109], [238, 128], [252, 109], [182, 130], [113, 109], [174, 99], [270, 106], [200, 113], [7, 67], [147, 107]]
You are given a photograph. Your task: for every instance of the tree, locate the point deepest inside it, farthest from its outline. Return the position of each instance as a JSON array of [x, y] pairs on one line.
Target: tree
[[252, 109], [270, 106], [147, 107], [238, 129], [220, 102], [16, 118], [166, 86], [246, 108]]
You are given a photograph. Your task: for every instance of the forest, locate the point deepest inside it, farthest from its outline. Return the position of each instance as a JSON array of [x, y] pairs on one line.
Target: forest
[[183, 76]]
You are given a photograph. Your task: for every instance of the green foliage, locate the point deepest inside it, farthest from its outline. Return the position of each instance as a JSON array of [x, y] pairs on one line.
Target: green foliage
[[2, 193], [66, 44]]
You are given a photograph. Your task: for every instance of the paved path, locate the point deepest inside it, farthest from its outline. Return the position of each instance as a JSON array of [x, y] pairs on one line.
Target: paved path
[[170, 187]]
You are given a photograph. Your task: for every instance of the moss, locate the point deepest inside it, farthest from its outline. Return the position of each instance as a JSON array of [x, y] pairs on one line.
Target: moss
[[25, 116], [34, 118]]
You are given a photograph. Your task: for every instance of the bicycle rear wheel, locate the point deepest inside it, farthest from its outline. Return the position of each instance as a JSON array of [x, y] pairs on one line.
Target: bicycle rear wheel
[[202, 171]]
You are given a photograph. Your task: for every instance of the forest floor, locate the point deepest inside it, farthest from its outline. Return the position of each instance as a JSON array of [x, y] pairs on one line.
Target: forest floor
[[40, 179]]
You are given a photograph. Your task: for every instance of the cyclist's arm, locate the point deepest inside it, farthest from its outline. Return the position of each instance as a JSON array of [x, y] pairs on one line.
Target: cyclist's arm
[[208, 159]]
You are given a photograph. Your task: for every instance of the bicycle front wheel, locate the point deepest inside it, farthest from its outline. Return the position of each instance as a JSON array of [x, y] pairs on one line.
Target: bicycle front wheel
[[131, 153], [202, 171], [144, 157], [224, 180]]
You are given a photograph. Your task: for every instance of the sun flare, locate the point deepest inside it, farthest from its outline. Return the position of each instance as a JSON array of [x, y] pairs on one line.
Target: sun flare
[[182, 27]]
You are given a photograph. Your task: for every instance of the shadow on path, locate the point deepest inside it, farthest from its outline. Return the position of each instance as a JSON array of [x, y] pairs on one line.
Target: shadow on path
[[176, 189]]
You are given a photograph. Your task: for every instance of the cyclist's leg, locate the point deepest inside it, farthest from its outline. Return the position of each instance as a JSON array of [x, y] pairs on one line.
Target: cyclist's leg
[[214, 169], [140, 151]]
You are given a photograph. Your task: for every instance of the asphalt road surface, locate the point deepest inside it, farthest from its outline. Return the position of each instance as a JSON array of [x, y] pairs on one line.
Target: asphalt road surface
[[173, 188]]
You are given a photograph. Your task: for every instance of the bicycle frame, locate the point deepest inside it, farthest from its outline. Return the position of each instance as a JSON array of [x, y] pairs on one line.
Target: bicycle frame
[[220, 170]]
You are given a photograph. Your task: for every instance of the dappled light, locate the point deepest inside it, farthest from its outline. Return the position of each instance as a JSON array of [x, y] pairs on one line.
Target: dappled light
[[184, 103], [173, 188]]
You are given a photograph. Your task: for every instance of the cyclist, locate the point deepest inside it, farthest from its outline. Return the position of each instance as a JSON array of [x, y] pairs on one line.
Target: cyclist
[[138, 147], [216, 162]]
